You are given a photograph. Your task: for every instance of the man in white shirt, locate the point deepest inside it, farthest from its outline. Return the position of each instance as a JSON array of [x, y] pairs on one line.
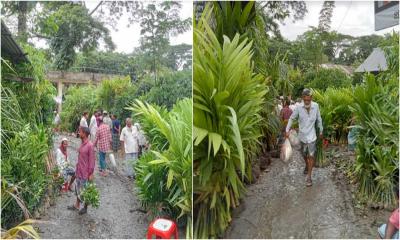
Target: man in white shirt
[[93, 127], [64, 165], [130, 137], [307, 114], [83, 122]]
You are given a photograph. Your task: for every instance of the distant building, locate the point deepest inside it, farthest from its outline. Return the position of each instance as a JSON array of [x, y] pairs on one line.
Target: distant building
[[375, 62]]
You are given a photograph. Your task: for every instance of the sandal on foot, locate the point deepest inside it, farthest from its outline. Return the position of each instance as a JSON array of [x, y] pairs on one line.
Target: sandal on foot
[[308, 182]]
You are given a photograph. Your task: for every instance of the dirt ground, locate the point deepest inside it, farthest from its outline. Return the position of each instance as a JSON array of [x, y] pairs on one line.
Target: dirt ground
[[119, 214], [280, 205]]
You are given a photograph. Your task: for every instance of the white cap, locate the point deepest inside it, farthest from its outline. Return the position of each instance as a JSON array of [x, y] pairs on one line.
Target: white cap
[[64, 139]]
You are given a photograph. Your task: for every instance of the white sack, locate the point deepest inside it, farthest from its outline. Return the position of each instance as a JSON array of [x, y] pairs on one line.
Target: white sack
[[286, 151]]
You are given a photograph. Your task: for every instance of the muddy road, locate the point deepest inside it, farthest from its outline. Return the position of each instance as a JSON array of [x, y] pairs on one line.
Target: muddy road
[[280, 205], [119, 214]]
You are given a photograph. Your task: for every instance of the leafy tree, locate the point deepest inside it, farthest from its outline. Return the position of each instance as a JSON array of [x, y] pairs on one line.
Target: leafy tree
[[106, 62], [277, 11], [69, 28], [21, 9], [172, 86], [159, 21], [73, 106], [115, 94], [359, 49], [325, 15], [112, 11], [312, 48], [179, 57]]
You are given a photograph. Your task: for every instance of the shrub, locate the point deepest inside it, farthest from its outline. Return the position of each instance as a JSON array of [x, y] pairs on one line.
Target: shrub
[[335, 112], [77, 100], [25, 162], [172, 86], [321, 79], [376, 112], [114, 95], [26, 113], [228, 99], [164, 175]]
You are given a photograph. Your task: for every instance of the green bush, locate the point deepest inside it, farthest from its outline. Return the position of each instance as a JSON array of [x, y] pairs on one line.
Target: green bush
[[171, 87], [376, 109], [321, 79], [24, 161], [114, 95], [77, 100], [335, 112], [26, 116], [164, 175], [228, 100]]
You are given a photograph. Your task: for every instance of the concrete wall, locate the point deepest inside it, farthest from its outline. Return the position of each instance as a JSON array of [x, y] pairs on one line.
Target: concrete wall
[[62, 79], [78, 77]]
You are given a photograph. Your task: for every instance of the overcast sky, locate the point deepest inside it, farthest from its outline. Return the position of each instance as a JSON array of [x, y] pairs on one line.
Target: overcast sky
[[358, 21], [355, 18], [126, 39]]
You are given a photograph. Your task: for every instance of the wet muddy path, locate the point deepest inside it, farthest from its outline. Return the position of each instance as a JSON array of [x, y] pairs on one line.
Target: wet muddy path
[[119, 214], [280, 205]]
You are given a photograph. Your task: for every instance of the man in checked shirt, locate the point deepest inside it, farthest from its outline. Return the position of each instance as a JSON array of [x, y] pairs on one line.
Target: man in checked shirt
[[103, 142]]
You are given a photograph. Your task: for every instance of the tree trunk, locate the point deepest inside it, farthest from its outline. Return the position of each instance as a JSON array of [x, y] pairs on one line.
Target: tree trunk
[[22, 19]]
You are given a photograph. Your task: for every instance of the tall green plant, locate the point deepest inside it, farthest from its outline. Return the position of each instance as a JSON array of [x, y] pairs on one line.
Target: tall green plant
[[335, 112], [26, 114], [376, 111], [228, 99], [164, 175]]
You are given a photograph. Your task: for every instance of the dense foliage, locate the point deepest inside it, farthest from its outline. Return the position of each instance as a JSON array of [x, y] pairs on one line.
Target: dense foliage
[[334, 107], [116, 94], [228, 98], [323, 78], [375, 107], [26, 114], [164, 174], [77, 100]]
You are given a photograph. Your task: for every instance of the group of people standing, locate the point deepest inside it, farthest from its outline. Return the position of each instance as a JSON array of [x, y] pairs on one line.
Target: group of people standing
[[103, 135]]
